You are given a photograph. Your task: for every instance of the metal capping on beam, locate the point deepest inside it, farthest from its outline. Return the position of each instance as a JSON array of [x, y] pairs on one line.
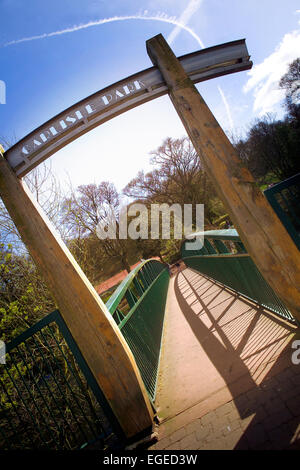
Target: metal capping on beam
[[118, 98]]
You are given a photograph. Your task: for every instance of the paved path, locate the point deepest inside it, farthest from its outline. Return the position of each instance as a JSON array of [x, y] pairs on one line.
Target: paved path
[[226, 377]]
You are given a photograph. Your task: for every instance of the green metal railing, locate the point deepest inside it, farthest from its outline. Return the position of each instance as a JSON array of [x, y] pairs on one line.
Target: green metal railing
[[284, 198], [138, 307], [49, 397], [224, 258]]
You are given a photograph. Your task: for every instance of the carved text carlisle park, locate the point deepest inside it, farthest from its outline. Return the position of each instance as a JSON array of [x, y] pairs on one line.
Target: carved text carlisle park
[[81, 113], [118, 98]]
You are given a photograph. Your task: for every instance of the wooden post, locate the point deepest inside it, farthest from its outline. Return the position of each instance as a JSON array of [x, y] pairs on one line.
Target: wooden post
[[88, 319], [264, 236]]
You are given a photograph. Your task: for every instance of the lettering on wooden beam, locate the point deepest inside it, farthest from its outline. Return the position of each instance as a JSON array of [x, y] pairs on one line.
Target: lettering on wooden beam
[[119, 98], [82, 112]]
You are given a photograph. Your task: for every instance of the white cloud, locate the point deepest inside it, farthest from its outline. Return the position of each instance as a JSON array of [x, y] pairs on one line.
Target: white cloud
[[264, 77]]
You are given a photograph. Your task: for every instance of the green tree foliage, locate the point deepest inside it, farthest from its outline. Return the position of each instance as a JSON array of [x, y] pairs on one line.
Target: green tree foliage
[[24, 296], [290, 82], [271, 147]]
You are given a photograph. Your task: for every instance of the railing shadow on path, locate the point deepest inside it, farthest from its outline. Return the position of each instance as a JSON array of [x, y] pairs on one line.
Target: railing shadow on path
[[234, 346]]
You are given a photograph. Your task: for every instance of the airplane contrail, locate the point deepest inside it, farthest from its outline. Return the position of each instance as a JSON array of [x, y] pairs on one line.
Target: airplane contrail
[[163, 17], [226, 107], [160, 17], [184, 18]]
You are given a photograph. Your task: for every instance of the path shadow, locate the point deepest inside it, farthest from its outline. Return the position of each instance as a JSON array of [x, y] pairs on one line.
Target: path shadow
[[237, 345]]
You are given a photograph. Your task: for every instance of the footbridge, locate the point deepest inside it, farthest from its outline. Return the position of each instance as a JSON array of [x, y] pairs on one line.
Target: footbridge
[[210, 352], [212, 343]]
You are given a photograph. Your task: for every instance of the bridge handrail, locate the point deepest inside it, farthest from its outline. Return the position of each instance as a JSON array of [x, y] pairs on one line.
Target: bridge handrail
[[120, 291], [47, 354], [218, 248], [134, 286], [45, 374], [144, 291], [225, 259], [284, 197], [225, 234]]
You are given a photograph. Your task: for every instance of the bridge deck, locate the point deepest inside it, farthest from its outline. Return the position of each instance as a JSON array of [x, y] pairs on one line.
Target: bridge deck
[[226, 378]]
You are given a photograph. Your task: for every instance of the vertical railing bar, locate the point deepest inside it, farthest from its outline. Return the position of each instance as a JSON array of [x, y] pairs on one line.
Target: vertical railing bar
[[68, 385], [59, 387], [139, 284], [150, 270], [135, 290], [97, 392], [131, 300], [148, 278], [80, 384], [117, 319], [21, 398], [281, 307], [120, 315], [14, 432], [288, 205], [144, 278], [6, 440], [46, 361], [145, 284], [148, 274], [37, 386], [34, 401], [295, 196], [146, 271], [156, 269], [14, 407], [135, 298]]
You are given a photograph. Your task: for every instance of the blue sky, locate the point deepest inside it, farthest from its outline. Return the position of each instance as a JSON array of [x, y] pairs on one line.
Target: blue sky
[[44, 75]]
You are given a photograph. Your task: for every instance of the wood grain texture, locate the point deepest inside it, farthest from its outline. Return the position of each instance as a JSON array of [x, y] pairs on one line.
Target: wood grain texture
[[88, 319], [261, 231]]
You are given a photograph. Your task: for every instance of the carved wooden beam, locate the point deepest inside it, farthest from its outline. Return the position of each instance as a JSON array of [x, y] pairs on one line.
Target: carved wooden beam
[[117, 99]]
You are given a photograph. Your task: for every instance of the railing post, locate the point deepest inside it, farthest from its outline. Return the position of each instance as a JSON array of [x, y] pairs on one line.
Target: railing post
[[262, 233], [91, 325]]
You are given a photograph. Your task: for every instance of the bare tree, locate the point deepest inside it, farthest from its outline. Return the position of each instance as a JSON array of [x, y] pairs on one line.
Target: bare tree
[[290, 82], [84, 209], [271, 148], [178, 177], [47, 192]]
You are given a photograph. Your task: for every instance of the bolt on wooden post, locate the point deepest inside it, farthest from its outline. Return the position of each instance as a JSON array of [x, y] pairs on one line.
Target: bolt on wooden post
[[93, 328], [264, 236]]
